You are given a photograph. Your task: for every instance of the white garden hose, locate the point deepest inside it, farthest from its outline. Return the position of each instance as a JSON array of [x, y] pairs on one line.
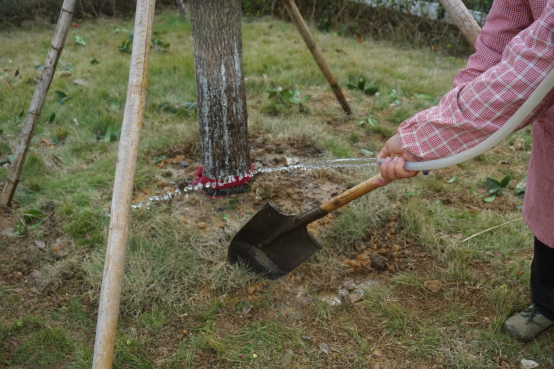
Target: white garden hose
[[515, 120]]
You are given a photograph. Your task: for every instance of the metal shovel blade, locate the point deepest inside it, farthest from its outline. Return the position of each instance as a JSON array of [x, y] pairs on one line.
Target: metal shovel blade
[[260, 246]]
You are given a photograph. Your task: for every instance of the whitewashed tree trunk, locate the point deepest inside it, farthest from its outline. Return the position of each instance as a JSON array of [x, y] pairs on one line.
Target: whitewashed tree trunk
[[463, 19], [182, 8], [221, 95], [112, 280], [35, 108]]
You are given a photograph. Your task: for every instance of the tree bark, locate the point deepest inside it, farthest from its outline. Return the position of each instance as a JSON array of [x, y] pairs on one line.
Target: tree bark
[[463, 19], [221, 95], [182, 9]]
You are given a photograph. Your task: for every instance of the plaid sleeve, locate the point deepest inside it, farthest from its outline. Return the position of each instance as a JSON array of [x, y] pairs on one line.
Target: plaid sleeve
[[468, 114], [505, 20]]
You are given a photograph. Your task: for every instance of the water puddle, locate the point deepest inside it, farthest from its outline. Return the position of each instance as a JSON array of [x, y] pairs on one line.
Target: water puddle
[[309, 166]]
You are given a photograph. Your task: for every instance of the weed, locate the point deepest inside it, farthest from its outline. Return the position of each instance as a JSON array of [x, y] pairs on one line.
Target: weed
[[44, 347], [172, 268]]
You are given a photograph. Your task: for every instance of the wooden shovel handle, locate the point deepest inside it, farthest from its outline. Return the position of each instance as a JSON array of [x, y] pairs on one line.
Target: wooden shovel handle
[[350, 195]]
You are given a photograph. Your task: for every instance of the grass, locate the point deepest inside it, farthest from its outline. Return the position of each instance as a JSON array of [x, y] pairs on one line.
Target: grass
[[177, 279]]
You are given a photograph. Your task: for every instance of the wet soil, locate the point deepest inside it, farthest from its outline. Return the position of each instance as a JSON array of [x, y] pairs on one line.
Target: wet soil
[[294, 298]]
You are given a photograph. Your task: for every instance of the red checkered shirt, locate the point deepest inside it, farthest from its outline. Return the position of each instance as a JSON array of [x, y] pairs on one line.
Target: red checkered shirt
[[514, 52]]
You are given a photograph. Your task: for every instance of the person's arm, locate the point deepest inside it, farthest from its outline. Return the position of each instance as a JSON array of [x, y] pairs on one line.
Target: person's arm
[[505, 20], [468, 114]]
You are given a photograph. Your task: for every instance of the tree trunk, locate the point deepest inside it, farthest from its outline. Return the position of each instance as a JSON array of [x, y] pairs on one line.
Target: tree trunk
[[221, 95], [182, 9], [463, 19]]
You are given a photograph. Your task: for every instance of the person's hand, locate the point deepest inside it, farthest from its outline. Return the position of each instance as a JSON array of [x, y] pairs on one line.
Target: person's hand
[[393, 167]]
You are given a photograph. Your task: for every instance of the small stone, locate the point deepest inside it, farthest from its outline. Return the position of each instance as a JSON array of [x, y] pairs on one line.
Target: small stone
[[201, 225], [355, 297], [35, 274], [433, 286], [183, 164], [325, 348], [8, 231], [529, 364], [378, 262], [519, 144], [40, 244]]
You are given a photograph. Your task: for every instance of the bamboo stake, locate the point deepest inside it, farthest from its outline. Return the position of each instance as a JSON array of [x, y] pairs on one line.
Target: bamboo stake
[[463, 19], [298, 21], [112, 281], [35, 108], [491, 228]]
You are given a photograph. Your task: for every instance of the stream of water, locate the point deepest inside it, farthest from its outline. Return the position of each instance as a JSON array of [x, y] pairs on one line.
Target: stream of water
[[312, 165]]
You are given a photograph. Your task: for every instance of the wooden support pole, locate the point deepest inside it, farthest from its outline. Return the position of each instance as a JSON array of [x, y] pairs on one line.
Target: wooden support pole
[[298, 21], [112, 280], [35, 108], [463, 19]]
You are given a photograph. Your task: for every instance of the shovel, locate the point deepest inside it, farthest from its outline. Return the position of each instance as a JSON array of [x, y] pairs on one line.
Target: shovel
[[273, 244]]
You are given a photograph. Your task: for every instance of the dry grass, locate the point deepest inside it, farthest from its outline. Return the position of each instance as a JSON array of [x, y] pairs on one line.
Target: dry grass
[[175, 268]]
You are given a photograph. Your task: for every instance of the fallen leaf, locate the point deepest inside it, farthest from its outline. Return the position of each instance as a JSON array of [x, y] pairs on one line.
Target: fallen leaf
[[65, 75], [177, 159], [287, 359], [433, 286], [519, 144], [81, 82], [355, 297], [45, 142], [246, 309], [529, 364]]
